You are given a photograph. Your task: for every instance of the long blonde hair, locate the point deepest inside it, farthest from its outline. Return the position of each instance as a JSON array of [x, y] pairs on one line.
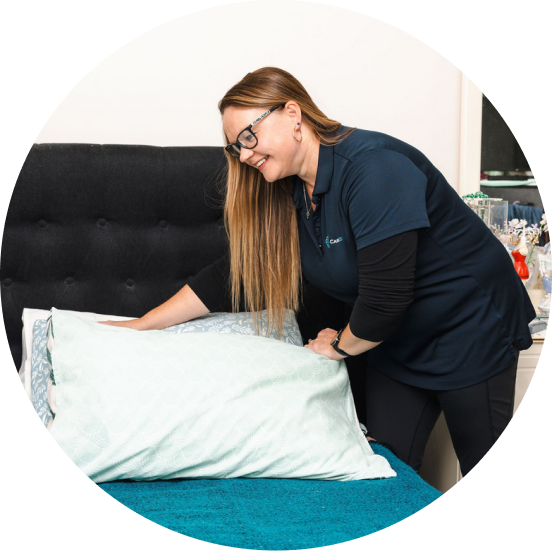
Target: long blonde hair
[[259, 216]]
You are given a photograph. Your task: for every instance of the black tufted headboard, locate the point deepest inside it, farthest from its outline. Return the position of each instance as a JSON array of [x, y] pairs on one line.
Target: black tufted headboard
[[119, 229]]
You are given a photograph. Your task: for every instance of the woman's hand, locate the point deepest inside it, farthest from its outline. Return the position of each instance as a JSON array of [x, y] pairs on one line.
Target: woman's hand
[[323, 344]]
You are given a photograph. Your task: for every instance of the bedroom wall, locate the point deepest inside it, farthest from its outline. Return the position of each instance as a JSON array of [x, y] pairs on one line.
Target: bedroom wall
[[163, 88]]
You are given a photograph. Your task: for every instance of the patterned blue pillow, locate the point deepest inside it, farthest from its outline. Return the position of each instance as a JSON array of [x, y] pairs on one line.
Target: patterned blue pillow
[[240, 323], [40, 372]]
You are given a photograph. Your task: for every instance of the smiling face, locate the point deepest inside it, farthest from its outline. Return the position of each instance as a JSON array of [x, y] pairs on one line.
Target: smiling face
[[275, 140]]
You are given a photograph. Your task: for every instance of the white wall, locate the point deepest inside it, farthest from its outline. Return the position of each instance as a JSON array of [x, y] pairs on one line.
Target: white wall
[[163, 88]]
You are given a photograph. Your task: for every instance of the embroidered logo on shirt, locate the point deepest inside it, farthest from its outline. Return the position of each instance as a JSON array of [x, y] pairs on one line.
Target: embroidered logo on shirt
[[332, 241]]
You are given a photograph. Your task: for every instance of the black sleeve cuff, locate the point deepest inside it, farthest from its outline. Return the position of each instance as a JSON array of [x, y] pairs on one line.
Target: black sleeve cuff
[[373, 325], [211, 285]]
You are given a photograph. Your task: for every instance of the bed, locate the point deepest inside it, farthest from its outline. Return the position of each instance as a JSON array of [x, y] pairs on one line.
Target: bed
[[117, 230]]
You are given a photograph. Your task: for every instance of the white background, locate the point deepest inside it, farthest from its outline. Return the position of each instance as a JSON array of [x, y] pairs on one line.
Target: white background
[[163, 87]]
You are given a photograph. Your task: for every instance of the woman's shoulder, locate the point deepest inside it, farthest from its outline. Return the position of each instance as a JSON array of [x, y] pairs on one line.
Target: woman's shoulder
[[361, 141], [364, 147]]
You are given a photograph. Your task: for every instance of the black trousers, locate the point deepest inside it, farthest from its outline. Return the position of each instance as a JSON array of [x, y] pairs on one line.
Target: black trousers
[[403, 416]]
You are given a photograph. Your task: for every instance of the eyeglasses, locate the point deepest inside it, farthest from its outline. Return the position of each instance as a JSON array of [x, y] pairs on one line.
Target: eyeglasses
[[246, 138]]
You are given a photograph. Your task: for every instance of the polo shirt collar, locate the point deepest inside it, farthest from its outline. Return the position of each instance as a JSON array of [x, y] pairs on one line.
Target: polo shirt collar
[[324, 175]]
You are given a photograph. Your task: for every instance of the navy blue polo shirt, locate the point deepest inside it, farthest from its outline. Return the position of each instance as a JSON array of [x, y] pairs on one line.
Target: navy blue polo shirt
[[470, 308]]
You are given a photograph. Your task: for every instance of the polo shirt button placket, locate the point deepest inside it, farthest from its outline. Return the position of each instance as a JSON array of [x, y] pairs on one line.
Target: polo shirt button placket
[[316, 220]]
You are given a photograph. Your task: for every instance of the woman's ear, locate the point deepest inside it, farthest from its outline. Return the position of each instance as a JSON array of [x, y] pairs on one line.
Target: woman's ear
[[293, 111]]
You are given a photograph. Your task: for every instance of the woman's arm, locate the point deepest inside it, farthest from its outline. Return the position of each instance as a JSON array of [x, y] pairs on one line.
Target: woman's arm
[[181, 307], [386, 288]]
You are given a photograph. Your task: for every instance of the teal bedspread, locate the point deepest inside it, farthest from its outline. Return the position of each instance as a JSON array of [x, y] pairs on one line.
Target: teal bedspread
[[271, 513]]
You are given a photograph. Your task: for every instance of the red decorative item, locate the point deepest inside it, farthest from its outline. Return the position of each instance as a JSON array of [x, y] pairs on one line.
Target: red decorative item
[[521, 267]]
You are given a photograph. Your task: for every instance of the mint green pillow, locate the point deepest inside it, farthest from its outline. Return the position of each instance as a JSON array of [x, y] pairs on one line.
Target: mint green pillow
[[219, 322], [152, 404]]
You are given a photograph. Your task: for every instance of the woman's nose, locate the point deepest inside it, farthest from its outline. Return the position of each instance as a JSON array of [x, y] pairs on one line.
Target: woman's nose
[[245, 154]]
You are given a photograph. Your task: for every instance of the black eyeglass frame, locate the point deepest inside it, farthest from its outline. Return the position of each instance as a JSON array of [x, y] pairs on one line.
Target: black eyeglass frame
[[231, 148]]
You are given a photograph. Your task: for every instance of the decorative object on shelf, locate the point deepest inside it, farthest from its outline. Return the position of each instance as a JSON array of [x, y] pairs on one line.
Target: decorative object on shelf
[[533, 234], [477, 195], [545, 265], [537, 325], [520, 253], [519, 263], [492, 210], [518, 229], [544, 307]]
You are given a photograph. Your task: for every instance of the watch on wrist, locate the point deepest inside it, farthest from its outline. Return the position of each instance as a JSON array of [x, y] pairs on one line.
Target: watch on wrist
[[336, 347]]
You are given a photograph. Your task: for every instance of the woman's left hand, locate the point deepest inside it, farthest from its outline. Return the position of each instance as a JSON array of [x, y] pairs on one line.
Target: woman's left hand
[[323, 344]]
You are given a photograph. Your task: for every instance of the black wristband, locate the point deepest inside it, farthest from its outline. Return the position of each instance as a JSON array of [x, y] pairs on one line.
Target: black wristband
[[335, 344]]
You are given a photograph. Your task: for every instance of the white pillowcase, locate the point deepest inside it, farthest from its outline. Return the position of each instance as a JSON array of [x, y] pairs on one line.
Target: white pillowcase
[[153, 404], [30, 315], [222, 322], [215, 322]]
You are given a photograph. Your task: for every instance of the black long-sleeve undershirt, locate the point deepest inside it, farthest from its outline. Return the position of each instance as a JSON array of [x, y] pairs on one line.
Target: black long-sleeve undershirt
[[212, 286], [386, 286]]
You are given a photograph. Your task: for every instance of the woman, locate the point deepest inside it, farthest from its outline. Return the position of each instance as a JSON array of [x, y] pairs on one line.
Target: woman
[[369, 220]]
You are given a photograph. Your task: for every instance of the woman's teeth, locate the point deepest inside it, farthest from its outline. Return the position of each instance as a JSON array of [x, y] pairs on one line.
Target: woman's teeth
[[261, 162]]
